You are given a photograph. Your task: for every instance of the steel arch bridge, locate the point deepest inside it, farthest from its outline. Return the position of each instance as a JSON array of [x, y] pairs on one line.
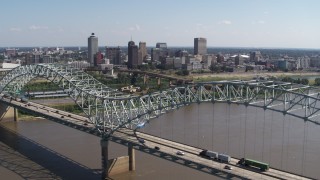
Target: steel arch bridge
[[109, 109]]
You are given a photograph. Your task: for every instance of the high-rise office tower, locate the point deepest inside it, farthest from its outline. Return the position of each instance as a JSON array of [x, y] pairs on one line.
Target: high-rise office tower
[[133, 61], [98, 57], [142, 51], [161, 45], [92, 48], [161, 51], [255, 56], [200, 46], [114, 54], [10, 52], [239, 60], [155, 54], [33, 58], [47, 59]]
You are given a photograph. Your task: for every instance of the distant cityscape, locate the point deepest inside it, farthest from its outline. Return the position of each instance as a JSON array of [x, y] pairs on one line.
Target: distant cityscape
[[161, 56]]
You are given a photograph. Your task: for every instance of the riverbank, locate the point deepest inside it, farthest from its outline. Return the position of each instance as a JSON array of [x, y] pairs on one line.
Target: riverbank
[[248, 75]]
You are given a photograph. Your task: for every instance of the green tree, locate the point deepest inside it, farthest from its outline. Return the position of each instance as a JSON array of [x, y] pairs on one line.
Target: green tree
[[152, 66], [143, 67], [298, 81], [249, 68], [305, 81], [122, 78], [224, 68], [275, 69], [185, 72], [287, 79], [229, 69], [215, 68], [317, 82], [134, 78], [1, 58]]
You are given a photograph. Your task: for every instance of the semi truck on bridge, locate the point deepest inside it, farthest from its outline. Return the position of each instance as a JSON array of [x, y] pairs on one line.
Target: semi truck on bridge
[[254, 163], [209, 154], [215, 156]]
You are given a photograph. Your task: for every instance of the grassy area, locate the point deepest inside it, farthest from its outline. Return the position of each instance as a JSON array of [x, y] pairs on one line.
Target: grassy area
[[136, 80], [247, 76], [218, 78], [311, 82], [41, 85]]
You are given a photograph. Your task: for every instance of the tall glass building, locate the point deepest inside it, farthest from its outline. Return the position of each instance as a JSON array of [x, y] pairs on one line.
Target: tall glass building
[[200, 46], [92, 48], [133, 61]]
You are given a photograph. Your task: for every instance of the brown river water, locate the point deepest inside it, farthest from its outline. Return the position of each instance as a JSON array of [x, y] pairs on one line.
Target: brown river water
[[42, 149]]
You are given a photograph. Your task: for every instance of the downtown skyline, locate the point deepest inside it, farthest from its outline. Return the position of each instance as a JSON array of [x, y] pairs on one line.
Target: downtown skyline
[[234, 23]]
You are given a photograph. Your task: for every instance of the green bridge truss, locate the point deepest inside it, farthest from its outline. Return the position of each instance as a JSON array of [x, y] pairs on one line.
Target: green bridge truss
[[109, 109]]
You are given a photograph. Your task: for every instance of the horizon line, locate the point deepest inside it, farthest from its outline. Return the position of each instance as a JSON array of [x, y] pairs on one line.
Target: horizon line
[[232, 47]]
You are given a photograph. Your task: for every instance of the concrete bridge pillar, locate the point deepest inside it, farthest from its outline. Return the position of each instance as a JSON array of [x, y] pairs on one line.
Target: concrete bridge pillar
[[8, 113], [159, 81], [132, 158], [105, 158], [117, 165]]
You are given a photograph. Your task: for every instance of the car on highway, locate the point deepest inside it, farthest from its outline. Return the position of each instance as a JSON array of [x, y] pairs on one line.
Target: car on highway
[[227, 167], [24, 100], [141, 140], [180, 153]]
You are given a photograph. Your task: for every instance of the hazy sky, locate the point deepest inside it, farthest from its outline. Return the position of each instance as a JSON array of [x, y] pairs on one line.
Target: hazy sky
[[225, 23]]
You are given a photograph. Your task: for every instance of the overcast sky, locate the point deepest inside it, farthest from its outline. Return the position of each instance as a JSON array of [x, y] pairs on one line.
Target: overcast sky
[[225, 23]]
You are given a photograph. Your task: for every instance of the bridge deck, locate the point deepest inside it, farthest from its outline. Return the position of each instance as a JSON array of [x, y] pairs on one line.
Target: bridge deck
[[168, 149]]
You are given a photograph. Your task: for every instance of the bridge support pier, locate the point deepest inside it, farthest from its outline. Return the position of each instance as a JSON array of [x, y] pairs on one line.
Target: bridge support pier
[[117, 165], [104, 157], [159, 81], [132, 158], [8, 113]]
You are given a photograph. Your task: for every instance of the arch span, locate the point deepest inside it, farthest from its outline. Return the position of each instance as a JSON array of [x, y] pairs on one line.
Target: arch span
[[293, 99], [110, 109], [85, 90]]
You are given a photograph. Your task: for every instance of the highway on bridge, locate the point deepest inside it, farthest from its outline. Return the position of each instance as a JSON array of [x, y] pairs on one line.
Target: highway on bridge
[[167, 149]]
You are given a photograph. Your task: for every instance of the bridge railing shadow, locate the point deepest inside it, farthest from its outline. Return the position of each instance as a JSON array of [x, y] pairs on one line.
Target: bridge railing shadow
[[22, 166], [30, 159]]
